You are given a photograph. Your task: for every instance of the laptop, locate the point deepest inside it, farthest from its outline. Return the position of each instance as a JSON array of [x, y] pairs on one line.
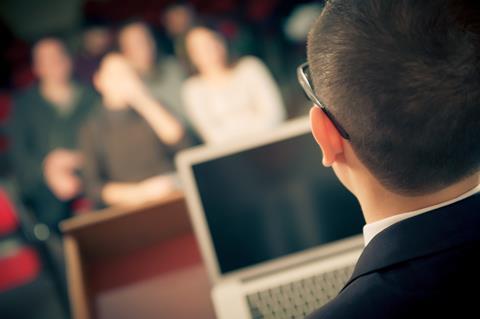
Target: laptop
[[278, 233]]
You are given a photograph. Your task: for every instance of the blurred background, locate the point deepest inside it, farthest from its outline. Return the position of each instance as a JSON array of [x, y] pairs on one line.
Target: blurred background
[[97, 97]]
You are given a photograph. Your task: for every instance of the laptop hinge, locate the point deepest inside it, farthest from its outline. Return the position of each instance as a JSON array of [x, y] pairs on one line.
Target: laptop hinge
[[293, 265]]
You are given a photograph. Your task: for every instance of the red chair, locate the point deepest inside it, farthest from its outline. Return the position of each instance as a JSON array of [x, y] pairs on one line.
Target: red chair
[[28, 288], [5, 106], [19, 263]]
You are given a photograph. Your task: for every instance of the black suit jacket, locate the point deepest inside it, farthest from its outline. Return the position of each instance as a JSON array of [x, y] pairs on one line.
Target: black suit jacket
[[422, 267]]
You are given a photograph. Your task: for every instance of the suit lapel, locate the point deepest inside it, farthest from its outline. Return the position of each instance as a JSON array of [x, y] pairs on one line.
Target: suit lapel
[[422, 235]]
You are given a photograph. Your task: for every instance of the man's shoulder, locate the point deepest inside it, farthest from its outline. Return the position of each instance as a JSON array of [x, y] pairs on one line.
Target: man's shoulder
[[95, 121], [434, 285], [366, 297], [87, 93], [23, 98]]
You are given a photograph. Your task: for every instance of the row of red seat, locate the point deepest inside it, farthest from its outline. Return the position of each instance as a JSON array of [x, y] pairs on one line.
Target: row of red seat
[[19, 262]]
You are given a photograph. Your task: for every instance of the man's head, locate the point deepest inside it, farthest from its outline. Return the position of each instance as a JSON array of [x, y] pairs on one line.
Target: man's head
[[402, 77], [178, 19], [136, 43], [51, 61], [97, 40]]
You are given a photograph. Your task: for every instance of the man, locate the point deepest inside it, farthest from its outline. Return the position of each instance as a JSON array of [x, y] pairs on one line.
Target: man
[[130, 143], [45, 125], [178, 19], [397, 85], [163, 76]]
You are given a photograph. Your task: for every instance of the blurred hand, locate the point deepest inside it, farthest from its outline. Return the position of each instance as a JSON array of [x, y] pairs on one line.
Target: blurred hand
[[134, 194], [118, 80], [129, 84], [134, 89], [59, 172], [122, 87], [156, 187]]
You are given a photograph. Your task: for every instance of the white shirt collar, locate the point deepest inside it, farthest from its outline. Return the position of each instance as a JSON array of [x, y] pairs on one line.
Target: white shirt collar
[[373, 229]]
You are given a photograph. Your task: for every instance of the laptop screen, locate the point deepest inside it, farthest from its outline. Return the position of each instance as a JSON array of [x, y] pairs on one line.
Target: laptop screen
[[273, 200]]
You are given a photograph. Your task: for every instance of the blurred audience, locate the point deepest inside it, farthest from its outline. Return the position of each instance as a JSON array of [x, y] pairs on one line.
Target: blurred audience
[[129, 145], [162, 75], [44, 127], [225, 101], [96, 41], [65, 143]]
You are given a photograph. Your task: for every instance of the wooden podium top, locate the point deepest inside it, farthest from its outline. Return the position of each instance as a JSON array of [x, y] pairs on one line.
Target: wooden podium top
[[104, 215], [119, 230], [125, 261]]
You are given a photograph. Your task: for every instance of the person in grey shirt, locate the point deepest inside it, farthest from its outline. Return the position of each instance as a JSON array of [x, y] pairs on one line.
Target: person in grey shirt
[[163, 75]]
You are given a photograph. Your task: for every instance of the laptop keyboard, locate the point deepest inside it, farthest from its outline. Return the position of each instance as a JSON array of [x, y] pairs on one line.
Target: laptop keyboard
[[299, 298]]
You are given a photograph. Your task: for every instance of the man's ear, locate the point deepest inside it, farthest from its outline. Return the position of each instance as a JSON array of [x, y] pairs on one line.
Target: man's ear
[[326, 135]]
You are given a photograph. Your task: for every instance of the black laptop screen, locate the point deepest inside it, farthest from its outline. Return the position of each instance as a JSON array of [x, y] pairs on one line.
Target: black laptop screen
[[272, 201]]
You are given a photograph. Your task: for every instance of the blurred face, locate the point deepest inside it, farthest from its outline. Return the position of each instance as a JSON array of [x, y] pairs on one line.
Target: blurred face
[[178, 20], [206, 50], [96, 41], [51, 61], [114, 79], [136, 44]]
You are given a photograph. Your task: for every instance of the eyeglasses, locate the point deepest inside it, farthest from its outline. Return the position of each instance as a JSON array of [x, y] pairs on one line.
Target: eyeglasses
[[305, 79]]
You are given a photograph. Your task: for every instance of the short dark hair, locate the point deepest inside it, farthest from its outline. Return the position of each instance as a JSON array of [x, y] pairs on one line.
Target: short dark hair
[[403, 79]]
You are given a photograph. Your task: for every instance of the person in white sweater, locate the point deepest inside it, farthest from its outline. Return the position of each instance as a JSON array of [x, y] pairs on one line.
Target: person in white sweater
[[228, 101]]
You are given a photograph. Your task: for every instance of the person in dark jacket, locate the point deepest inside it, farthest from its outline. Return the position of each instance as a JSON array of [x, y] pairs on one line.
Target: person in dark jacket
[[44, 133], [396, 85]]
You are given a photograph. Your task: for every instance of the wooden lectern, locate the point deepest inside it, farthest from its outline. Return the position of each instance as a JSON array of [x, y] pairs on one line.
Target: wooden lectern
[[136, 262]]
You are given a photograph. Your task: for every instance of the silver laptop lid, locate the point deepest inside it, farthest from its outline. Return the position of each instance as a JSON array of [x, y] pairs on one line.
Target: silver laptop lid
[[264, 198]]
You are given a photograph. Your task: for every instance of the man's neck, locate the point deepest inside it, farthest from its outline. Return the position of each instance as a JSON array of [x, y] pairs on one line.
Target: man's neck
[[51, 86], [59, 93], [378, 203]]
